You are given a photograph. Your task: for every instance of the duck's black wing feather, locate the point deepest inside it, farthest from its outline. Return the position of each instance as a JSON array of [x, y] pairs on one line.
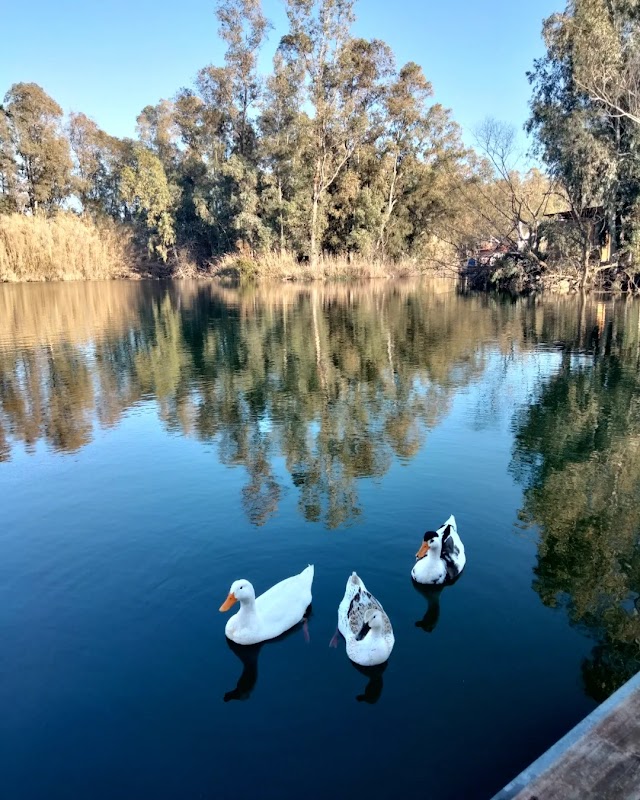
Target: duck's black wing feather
[[450, 552], [354, 602]]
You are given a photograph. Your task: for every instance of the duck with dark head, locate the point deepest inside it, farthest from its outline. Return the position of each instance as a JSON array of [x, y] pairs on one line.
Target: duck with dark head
[[441, 557]]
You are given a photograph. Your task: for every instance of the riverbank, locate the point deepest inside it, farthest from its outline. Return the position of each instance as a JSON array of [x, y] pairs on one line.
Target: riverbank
[[69, 247], [523, 276]]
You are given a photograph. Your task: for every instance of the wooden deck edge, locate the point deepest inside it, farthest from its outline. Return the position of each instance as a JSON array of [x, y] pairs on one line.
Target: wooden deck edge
[[560, 748]]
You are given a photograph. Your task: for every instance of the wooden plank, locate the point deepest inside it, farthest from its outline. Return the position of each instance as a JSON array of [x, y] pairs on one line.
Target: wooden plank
[[598, 760]]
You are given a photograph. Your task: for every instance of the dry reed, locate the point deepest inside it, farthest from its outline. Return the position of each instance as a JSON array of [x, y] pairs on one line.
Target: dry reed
[[64, 247], [276, 266]]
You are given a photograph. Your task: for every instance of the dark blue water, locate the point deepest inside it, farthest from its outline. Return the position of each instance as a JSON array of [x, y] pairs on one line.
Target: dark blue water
[[158, 442]]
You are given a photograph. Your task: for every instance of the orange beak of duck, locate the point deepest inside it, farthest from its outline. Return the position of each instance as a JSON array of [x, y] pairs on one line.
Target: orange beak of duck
[[231, 599], [422, 552]]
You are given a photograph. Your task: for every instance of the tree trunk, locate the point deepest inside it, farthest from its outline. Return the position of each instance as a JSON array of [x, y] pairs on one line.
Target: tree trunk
[[281, 218], [391, 202], [314, 231], [243, 119], [586, 252], [612, 214]]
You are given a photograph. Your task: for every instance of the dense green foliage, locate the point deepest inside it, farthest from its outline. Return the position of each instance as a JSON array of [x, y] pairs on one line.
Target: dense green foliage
[[341, 151], [584, 115], [337, 150]]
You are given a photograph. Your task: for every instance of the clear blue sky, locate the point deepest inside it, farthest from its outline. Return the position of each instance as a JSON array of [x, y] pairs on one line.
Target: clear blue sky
[[110, 58]]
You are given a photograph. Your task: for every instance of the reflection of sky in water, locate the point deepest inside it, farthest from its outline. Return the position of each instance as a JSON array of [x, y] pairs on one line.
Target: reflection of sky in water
[[507, 383]]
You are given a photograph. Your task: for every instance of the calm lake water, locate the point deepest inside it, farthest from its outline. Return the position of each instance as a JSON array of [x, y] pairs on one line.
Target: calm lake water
[[159, 441]]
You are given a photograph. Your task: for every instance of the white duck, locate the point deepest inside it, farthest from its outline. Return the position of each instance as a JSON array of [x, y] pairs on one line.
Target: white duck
[[376, 645], [441, 557], [272, 613], [364, 624]]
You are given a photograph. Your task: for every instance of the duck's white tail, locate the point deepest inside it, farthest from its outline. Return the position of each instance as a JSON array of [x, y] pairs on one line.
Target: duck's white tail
[[308, 573], [354, 582], [451, 521]]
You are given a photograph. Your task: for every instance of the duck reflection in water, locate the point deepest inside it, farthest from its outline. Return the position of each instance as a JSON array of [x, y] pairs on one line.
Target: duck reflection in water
[[432, 593], [373, 689], [248, 655]]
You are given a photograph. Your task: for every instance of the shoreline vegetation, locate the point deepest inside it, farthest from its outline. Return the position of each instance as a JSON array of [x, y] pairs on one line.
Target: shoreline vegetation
[[338, 164], [67, 247]]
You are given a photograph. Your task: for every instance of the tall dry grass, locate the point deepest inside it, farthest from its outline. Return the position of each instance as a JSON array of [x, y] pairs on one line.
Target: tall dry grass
[[64, 247], [276, 266]]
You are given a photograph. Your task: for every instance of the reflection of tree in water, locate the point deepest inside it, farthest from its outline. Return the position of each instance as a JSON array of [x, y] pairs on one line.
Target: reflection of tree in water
[[54, 378], [47, 392], [338, 381], [578, 450]]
